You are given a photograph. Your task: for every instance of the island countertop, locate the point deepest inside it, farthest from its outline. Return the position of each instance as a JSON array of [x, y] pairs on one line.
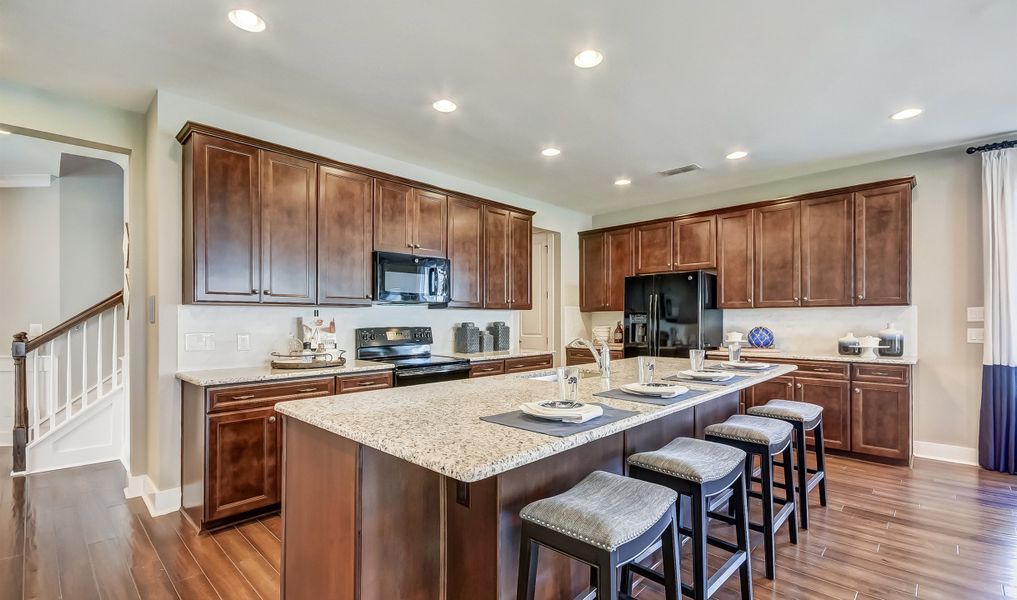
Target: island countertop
[[438, 427]]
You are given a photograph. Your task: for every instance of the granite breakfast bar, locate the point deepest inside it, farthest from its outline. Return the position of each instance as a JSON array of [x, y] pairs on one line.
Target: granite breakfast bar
[[407, 493]]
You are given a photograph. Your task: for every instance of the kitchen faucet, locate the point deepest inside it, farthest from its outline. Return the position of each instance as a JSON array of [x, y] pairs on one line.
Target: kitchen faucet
[[603, 357]]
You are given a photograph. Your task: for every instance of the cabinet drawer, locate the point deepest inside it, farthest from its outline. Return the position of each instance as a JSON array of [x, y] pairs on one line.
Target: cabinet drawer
[[488, 368], [881, 373], [827, 370], [528, 363], [362, 383], [252, 395], [578, 356]]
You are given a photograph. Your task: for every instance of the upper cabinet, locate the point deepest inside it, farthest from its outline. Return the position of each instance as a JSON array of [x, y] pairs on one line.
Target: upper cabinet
[[409, 220], [695, 243], [605, 260], [620, 263], [289, 256], [734, 259], [883, 245], [828, 251], [520, 260], [777, 254], [507, 264], [345, 217], [654, 246], [466, 251], [430, 220]]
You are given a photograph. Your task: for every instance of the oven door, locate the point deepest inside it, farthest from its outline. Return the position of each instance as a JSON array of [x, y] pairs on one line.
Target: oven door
[[404, 377], [407, 279]]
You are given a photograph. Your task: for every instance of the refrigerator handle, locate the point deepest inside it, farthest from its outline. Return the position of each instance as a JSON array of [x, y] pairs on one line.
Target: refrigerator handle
[[654, 324]]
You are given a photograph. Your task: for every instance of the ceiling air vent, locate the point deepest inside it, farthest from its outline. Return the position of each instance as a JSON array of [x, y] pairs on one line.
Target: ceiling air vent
[[680, 170]]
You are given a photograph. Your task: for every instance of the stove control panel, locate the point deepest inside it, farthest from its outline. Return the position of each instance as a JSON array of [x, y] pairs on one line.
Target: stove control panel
[[393, 336]]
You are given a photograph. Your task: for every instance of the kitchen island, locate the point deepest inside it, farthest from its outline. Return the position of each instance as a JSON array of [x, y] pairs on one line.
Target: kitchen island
[[406, 493]]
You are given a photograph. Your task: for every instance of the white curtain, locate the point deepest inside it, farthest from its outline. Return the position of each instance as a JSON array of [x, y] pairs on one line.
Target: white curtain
[[997, 446]]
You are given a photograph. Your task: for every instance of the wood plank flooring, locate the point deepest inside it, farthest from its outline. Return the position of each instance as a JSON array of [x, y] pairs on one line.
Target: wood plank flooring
[[936, 531]]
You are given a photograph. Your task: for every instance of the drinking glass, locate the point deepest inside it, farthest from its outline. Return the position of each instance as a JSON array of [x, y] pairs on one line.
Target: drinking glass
[[568, 383], [647, 366], [697, 359], [734, 352]]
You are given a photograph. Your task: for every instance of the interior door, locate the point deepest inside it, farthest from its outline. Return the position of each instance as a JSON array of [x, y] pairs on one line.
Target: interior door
[[534, 324]]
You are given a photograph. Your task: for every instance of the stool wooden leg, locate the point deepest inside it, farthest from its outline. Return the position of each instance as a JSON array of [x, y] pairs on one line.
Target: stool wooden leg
[[821, 461], [672, 568], [700, 525], [770, 557], [741, 503], [528, 554], [789, 491], [803, 475], [607, 578]]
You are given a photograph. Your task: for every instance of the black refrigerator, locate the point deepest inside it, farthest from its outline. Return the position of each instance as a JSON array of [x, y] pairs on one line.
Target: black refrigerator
[[670, 314]]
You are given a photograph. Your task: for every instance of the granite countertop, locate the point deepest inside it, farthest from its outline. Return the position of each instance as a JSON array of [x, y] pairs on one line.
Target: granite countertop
[[497, 355], [438, 427], [266, 373], [792, 355]]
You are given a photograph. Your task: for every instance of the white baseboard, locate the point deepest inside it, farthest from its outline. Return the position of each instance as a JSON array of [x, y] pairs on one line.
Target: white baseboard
[[159, 502], [946, 453]]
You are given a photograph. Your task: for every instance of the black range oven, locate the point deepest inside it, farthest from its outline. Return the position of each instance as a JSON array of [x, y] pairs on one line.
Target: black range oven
[[408, 350]]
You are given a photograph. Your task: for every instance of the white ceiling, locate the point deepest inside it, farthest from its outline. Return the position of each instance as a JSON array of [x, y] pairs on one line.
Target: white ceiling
[[804, 85]]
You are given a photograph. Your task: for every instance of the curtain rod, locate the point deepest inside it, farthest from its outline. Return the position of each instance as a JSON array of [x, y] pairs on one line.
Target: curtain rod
[[997, 146]]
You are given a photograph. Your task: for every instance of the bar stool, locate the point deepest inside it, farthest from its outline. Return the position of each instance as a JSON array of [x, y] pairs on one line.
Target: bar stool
[[766, 438], [605, 521], [803, 417], [703, 471]]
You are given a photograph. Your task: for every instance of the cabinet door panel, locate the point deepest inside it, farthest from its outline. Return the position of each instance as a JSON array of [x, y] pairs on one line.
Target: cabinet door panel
[[592, 272], [520, 261], [883, 245], [778, 388], [226, 213], [393, 217], [828, 251], [465, 251], [242, 462], [430, 223], [695, 243], [654, 246], [777, 255], [835, 398], [734, 259], [881, 420], [496, 257], [620, 263], [345, 227], [289, 212]]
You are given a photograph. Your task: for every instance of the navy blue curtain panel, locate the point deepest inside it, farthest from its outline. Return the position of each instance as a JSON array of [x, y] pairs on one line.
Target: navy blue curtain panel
[[997, 443]]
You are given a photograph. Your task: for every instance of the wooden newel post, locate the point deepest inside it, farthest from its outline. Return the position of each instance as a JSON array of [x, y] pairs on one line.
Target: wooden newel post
[[18, 353]]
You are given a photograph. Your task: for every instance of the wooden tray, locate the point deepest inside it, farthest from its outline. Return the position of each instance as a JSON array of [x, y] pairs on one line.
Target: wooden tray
[[314, 364]]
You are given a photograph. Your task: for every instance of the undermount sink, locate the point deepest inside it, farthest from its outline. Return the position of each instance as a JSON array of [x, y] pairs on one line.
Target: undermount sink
[[553, 376]]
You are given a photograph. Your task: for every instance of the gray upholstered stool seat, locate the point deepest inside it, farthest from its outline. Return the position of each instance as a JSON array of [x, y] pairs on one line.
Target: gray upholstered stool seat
[[788, 409], [604, 510], [691, 459], [748, 428]]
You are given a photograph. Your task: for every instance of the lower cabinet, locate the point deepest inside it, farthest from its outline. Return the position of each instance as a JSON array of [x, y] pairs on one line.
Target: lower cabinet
[[835, 398], [521, 364], [582, 356], [881, 419], [231, 444]]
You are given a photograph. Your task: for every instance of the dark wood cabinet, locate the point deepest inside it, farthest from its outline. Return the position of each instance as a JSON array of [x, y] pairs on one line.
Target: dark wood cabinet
[[582, 356], [776, 255], [778, 388], [883, 245], [487, 368], [345, 225], [249, 438], [734, 259], [695, 243], [289, 213], [835, 398], [827, 251], [620, 263], [593, 260], [508, 243], [393, 217], [654, 247], [881, 420], [222, 221], [466, 252], [430, 218], [520, 261], [535, 362]]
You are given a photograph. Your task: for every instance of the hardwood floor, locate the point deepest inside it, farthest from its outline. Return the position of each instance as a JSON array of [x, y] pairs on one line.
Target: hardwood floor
[[937, 531]]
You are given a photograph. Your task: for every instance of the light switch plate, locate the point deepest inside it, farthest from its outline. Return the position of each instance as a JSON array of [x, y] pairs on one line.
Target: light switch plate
[[199, 342], [976, 314], [976, 335], [243, 342]]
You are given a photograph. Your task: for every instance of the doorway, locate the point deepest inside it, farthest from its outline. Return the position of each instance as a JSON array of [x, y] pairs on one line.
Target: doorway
[[539, 327]]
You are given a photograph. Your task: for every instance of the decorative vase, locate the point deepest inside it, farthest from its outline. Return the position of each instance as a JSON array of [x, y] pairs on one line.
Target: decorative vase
[[760, 337], [848, 345], [892, 341]]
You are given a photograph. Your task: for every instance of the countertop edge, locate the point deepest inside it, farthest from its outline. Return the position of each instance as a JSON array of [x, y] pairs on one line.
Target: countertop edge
[[879, 360], [207, 378]]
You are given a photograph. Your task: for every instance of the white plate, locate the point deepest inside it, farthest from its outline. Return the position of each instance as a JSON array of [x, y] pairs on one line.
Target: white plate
[[706, 375], [659, 390], [752, 366]]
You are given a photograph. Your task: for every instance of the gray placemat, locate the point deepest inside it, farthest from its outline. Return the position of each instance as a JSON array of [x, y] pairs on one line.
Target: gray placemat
[[619, 394], [521, 420], [731, 381]]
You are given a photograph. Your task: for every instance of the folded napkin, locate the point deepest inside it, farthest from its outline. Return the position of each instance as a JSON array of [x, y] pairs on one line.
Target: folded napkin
[[578, 414]]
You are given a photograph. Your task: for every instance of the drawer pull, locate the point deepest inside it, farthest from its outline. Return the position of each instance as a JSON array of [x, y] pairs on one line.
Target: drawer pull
[[307, 390], [820, 369], [878, 373], [798, 385], [245, 397], [367, 383], [271, 419], [858, 391]]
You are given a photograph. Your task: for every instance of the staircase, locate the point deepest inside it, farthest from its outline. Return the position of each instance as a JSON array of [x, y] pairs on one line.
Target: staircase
[[69, 391]]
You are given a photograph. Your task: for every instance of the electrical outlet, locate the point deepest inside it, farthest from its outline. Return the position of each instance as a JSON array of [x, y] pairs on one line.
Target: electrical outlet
[[199, 342], [243, 342], [976, 314], [976, 335]]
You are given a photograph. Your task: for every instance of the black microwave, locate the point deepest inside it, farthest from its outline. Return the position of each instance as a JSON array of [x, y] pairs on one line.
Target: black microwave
[[408, 279]]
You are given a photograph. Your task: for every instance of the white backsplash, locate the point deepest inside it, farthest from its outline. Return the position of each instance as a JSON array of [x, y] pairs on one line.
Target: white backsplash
[[270, 327], [806, 330]]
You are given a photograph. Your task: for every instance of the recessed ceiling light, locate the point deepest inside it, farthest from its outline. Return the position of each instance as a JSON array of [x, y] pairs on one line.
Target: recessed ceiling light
[[445, 106], [587, 59], [246, 20], [907, 113], [622, 181], [550, 152], [736, 155]]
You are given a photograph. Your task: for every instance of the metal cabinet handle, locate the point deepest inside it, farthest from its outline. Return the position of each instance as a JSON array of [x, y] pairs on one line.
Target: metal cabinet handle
[[253, 291], [861, 296], [367, 383], [805, 297], [266, 292], [409, 245], [245, 397], [789, 384], [858, 391], [820, 369], [307, 390], [271, 419], [798, 385], [796, 298], [878, 373]]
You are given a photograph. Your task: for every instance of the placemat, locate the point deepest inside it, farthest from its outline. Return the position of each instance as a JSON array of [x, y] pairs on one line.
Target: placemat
[[521, 420], [731, 381], [619, 394]]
